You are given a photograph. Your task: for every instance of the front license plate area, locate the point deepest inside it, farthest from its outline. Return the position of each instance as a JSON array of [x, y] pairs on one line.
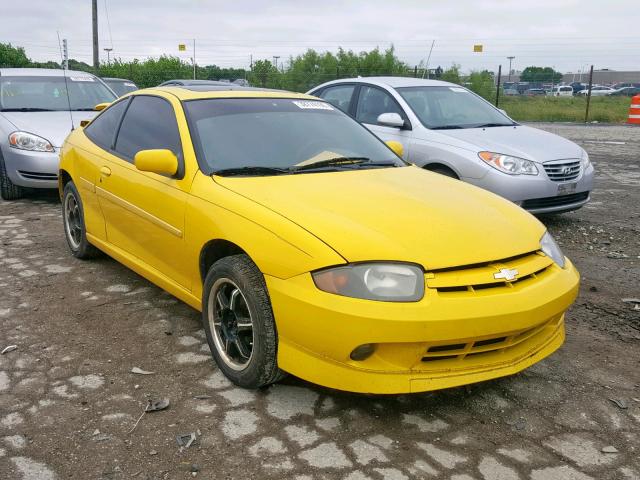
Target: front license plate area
[[567, 188]]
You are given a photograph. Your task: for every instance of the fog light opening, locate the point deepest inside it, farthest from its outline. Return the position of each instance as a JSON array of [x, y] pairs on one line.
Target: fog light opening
[[362, 352]]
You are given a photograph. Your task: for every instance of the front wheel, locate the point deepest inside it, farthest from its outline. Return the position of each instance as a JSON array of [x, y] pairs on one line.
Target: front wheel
[[8, 190], [74, 226], [239, 324]]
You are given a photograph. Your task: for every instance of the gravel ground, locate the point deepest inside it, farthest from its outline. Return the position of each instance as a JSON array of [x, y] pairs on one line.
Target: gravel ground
[[68, 400]]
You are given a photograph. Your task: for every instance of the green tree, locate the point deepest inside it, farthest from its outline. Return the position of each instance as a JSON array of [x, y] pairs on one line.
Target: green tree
[[540, 75], [451, 74], [13, 57], [483, 84]]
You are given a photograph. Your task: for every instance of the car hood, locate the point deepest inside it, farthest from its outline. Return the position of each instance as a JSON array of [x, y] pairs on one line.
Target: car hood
[[53, 126], [402, 214], [520, 141]]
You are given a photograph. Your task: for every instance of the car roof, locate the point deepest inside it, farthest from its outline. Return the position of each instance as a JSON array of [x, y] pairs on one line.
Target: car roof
[[40, 72], [395, 82], [227, 91], [188, 81]]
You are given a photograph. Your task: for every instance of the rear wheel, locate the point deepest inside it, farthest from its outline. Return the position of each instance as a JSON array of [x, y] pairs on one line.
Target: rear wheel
[[239, 324], [74, 227], [8, 191]]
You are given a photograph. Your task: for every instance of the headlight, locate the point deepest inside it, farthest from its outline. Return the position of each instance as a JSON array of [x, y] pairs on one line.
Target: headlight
[[509, 164], [29, 141], [551, 249], [585, 159], [390, 282]]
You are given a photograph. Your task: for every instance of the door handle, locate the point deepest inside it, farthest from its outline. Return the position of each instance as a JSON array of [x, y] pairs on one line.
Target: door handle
[[105, 171]]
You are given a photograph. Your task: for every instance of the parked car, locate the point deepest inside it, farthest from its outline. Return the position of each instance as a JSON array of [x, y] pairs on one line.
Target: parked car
[[534, 92], [511, 92], [597, 91], [36, 115], [618, 86], [577, 86], [191, 83], [450, 130], [561, 91], [120, 86], [627, 91], [310, 246]]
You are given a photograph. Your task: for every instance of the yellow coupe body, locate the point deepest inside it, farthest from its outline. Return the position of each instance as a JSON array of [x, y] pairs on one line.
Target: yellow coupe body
[[472, 322]]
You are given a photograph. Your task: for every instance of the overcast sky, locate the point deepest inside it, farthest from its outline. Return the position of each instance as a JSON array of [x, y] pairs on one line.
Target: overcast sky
[[566, 34]]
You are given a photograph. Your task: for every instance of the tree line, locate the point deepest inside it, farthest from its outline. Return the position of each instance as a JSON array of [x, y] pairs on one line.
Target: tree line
[[300, 73]]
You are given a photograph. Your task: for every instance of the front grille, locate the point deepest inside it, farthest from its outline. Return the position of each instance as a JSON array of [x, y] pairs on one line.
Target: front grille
[[562, 170], [558, 201], [480, 279], [38, 175], [485, 347]]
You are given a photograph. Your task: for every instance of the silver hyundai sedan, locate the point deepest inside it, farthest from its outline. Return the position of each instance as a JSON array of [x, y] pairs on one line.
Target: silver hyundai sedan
[[36, 115], [450, 130]]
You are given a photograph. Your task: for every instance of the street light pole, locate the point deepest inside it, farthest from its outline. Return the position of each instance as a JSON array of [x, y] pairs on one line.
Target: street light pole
[[510, 59], [108, 50]]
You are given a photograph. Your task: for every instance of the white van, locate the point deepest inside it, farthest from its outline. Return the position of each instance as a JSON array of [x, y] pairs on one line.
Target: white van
[[561, 91]]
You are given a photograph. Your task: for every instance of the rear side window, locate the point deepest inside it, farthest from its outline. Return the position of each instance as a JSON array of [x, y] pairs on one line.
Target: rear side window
[[339, 96], [102, 130], [149, 123]]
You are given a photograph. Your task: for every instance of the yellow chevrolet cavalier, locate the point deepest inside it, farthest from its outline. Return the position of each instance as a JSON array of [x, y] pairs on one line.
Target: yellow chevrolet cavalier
[[309, 246]]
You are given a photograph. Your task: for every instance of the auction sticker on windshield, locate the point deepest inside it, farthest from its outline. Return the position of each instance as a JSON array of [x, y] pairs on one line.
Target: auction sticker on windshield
[[81, 79], [313, 105], [457, 89]]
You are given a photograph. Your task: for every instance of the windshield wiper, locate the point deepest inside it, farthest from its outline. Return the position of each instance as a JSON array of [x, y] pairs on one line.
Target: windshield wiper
[[486, 125], [228, 172], [27, 109], [446, 127], [331, 162], [84, 109]]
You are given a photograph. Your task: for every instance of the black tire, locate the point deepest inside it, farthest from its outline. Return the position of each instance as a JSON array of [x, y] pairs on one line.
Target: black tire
[[442, 170], [8, 191], [261, 367], [77, 241]]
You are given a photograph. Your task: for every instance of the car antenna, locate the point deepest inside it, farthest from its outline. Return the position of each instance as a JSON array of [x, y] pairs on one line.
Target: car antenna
[[64, 73]]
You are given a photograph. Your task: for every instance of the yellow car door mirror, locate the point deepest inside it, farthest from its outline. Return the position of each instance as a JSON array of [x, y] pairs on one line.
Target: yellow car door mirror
[[397, 147], [101, 106], [160, 161]]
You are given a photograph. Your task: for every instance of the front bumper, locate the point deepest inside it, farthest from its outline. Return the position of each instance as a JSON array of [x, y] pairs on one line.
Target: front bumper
[[31, 169], [478, 335], [537, 193]]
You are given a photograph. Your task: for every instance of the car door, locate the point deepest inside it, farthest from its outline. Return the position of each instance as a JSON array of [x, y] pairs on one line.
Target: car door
[[144, 211], [373, 101], [101, 132]]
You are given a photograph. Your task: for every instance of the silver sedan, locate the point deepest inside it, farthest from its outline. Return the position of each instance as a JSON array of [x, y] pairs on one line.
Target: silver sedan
[[450, 130], [36, 115]]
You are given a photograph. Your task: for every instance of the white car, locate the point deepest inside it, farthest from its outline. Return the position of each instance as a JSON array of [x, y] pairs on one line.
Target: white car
[[597, 91], [561, 91], [448, 129]]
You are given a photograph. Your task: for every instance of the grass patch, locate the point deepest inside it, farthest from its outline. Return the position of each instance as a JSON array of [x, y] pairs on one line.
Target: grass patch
[[559, 109]]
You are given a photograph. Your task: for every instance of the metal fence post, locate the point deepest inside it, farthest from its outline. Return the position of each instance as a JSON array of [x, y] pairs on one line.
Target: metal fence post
[[498, 86], [586, 114]]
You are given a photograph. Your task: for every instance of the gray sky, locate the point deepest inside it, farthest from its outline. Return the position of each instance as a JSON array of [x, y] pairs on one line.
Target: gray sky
[[567, 34]]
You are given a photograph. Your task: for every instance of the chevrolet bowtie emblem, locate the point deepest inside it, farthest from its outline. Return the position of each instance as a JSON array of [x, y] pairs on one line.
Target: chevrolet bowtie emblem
[[507, 274]]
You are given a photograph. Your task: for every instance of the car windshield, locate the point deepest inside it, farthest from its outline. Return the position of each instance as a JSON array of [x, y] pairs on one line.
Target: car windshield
[[445, 107], [43, 93], [264, 136], [121, 87]]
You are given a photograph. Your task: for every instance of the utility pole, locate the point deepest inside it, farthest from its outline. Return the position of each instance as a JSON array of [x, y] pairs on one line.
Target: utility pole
[[194, 58], [108, 50], [94, 21], [498, 86], [586, 114], [65, 55], [275, 59], [510, 59]]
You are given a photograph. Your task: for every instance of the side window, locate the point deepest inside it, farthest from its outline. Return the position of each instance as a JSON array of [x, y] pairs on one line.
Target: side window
[[149, 123], [339, 96], [102, 131], [372, 103]]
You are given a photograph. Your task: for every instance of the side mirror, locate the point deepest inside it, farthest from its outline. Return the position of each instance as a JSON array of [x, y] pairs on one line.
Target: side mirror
[[390, 120], [101, 106], [160, 161], [397, 147]]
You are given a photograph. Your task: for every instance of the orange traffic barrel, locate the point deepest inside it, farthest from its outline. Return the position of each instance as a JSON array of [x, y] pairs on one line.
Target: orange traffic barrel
[[634, 111]]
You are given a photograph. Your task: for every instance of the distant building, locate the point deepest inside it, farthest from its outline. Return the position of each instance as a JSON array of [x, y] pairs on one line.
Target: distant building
[[603, 77]]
